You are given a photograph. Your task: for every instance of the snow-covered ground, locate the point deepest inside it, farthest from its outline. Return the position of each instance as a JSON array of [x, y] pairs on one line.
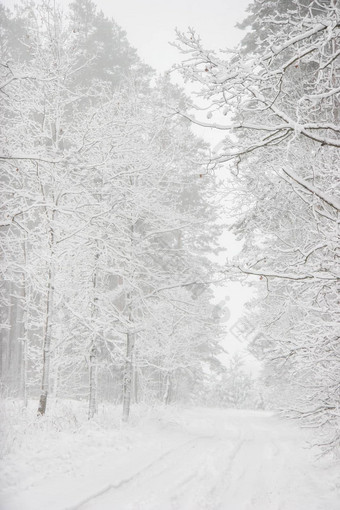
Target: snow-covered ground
[[185, 459]]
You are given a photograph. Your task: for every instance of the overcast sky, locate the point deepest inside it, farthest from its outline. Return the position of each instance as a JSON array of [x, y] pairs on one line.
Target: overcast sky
[[150, 24]]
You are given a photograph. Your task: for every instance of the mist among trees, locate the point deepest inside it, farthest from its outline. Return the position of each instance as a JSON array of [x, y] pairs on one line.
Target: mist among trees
[[112, 211]]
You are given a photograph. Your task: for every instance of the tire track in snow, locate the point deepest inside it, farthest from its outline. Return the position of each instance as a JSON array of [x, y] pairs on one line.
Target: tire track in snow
[[205, 493], [215, 494], [139, 473]]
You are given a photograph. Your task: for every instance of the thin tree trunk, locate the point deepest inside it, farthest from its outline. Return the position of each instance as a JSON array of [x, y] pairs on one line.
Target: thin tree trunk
[[93, 383], [16, 346], [24, 351], [127, 377], [128, 368], [167, 393], [46, 345], [24, 372], [134, 379], [26, 303], [49, 308], [10, 340], [55, 378], [93, 371]]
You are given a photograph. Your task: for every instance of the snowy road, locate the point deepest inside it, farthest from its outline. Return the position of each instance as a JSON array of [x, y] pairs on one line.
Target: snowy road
[[211, 460]]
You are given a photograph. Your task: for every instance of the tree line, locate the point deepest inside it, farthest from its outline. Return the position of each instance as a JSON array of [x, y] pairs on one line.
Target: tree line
[[107, 218]]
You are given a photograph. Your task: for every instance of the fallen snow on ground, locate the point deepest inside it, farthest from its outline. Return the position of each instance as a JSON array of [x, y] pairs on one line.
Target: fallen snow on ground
[[165, 459]]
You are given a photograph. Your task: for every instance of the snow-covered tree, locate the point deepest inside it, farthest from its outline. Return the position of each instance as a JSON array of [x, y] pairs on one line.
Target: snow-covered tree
[[277, 99], [106, 216]]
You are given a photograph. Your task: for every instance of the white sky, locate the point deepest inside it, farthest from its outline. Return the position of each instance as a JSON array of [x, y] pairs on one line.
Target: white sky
[[150, 24]]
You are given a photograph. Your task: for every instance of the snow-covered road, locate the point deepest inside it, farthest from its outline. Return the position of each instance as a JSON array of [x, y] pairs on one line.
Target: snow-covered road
[[209, 459]]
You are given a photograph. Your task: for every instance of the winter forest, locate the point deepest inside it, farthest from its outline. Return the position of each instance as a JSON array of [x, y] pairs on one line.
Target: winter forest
[[121, 386]]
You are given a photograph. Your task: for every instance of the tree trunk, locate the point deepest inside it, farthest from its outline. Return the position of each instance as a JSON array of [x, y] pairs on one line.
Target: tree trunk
[[128, 368], [46, 346], [134, 379], [93, 372], [167, 393], [127, 377], [24, 354], [24, 365], [49, 308], [92, 383], [10, 338]]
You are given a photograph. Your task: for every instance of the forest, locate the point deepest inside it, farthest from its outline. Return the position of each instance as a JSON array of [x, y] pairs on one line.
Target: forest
[[112, 212]]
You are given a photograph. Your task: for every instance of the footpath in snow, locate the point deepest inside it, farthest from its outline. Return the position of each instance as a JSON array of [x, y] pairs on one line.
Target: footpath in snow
[[197, 459]]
